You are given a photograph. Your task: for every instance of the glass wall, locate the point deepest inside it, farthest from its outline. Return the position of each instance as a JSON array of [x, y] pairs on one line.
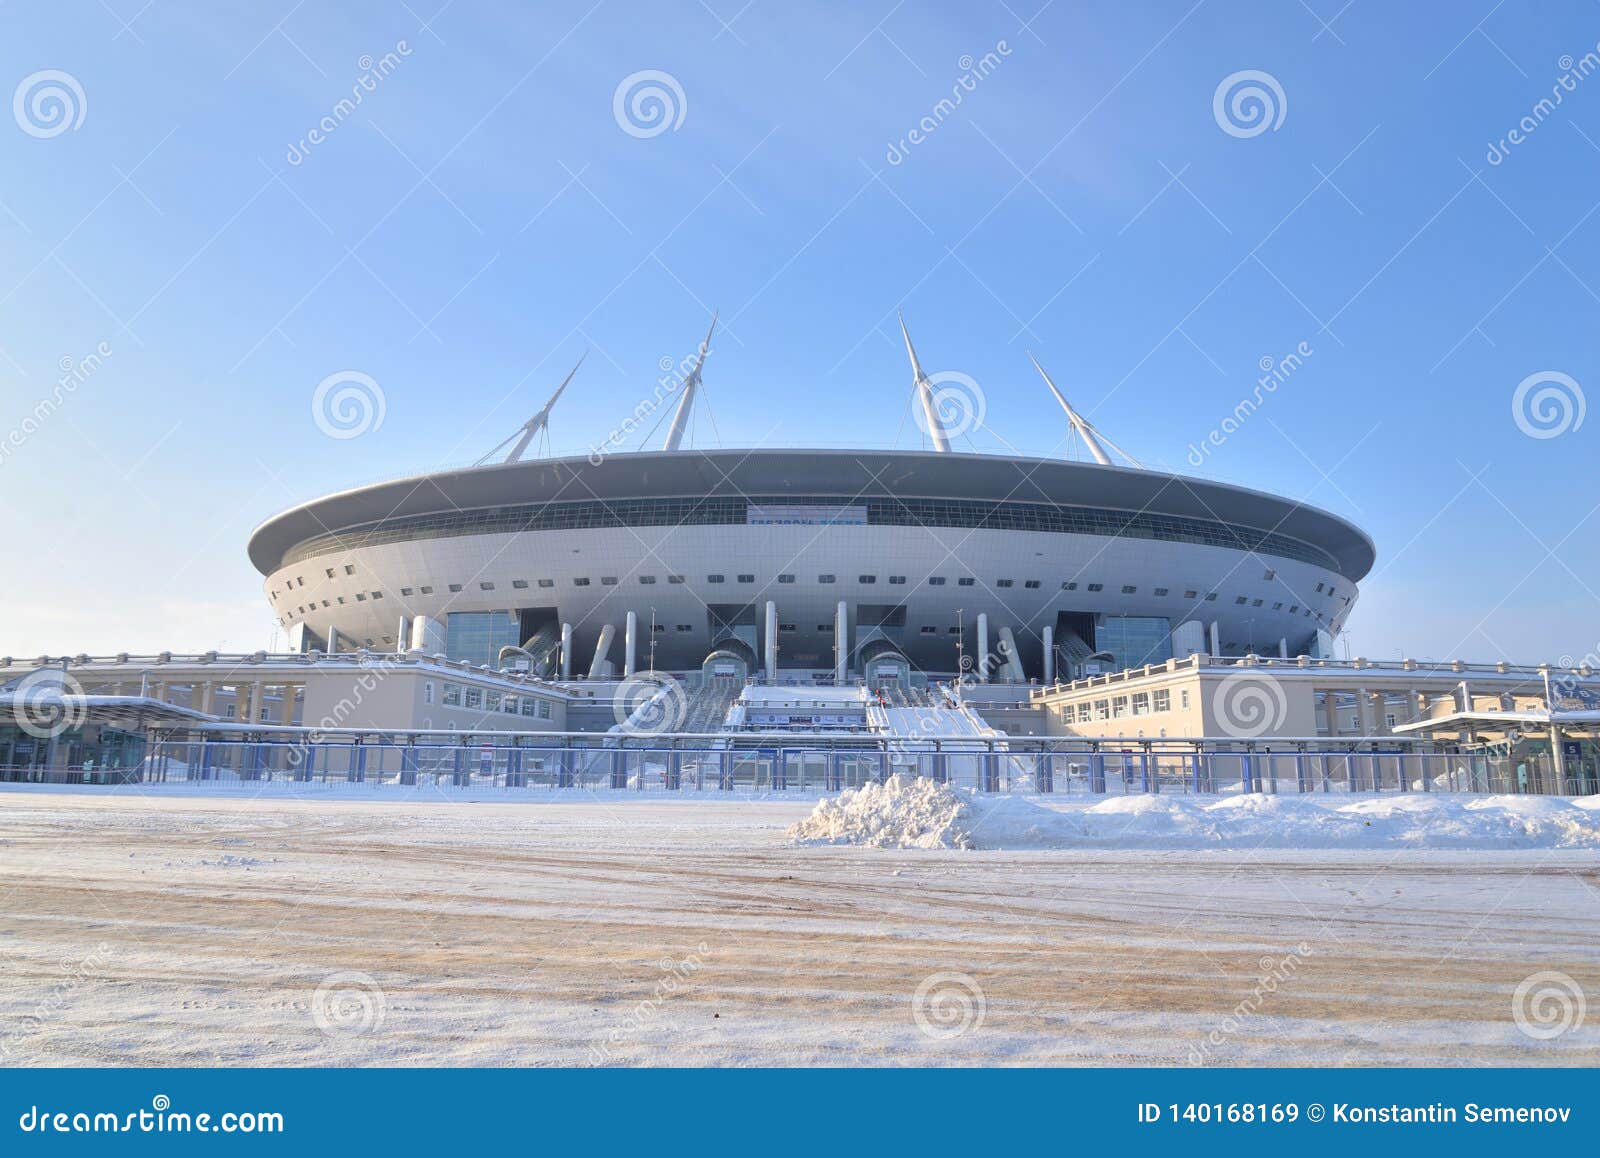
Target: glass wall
[[476, 637], [1135, 640]]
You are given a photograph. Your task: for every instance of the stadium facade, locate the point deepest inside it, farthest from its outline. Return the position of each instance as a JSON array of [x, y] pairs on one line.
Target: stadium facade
[[828, 564]]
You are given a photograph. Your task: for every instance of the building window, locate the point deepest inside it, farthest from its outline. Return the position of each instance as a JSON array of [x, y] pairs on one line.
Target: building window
[[452, 695], [427, 691], [493, 701], [544, 709], [1161, 700], [1084, 711], [1119, 707], [1102, 709], [474, 697], [1141, 703], [1183, 699], [528, 705]]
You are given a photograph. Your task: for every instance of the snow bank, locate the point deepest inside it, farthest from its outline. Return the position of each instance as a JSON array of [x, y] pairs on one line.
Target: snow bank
[[917, 813]]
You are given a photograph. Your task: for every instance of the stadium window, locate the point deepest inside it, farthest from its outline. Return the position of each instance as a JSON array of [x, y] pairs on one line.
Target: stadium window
[[674, 578], [324, 603], [1242, 600], [377, 594], [1319, 588], [825, 628], [747, 578], [1270, 575], [547, 583], [1277, 606], [349, 570], [1129, 589], [300, 582], [426, 590], [785, 578], [952, 630], [485, 586], [647, 580], [1293, 607], [1097, 587], [455, 587], [519, 584], [659, 627], [935, 580], [897, 580], [868, 579], [825, 579], [1032, 584], [405, 591], [930, 631], [581, 581], [685, 627], [1004, 582], [340, 599], [785, 627], [361, 597], [1256, 602], [966, 581], [1212, 598], [608, 580], [1161, 592], [714, 579], [1069, 586], [1190, 594], [330, 572]]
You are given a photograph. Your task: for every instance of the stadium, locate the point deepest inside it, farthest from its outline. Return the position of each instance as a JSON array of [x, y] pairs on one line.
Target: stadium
[[812, 565]]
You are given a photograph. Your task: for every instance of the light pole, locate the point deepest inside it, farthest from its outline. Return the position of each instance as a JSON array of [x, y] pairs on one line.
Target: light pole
[[961, 646], [652, 641]]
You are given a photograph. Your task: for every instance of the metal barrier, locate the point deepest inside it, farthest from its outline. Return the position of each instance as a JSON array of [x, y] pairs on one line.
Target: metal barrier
[[1064, 767]]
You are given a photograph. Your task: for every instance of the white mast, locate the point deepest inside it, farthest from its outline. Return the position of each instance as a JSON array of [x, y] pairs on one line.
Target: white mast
[[924, 388], [1092, 438], [540, 421], [680, 419]]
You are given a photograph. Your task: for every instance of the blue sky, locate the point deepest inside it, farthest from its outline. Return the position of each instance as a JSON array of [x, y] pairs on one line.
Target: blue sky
[[482, 217]]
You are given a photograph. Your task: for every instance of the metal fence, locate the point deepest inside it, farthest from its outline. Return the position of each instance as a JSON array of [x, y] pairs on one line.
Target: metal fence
[[1043, 768]]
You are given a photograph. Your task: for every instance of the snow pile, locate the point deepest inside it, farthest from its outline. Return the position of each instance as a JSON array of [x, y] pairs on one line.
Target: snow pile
[[915, 812], [905, 812]]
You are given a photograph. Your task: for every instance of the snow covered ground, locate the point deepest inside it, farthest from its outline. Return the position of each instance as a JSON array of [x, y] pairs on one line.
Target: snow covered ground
[[171, 928]]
